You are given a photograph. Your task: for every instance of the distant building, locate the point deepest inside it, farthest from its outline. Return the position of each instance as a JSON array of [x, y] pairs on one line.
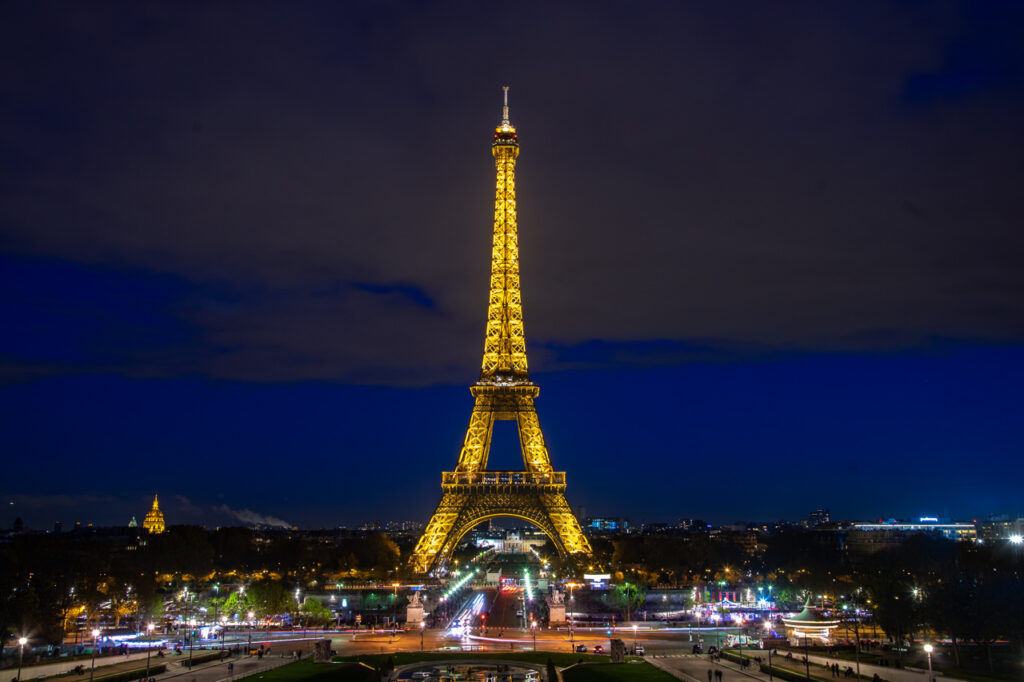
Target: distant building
[[133, 523], [154, 521], [601, 523], [818, 517], [1001, 529], [693, 525], [866, 538]]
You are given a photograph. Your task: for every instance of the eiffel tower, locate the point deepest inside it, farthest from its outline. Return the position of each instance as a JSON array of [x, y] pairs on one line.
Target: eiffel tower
[[472, 493]]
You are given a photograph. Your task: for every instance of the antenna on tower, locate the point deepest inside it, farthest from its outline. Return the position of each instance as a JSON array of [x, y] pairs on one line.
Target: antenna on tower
[[504, 109]]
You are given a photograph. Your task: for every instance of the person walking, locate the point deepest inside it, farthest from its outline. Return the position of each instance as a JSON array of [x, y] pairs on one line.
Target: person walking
[[709, 674]]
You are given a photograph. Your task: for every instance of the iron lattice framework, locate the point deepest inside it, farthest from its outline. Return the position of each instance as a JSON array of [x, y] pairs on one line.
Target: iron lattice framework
[[471, 493]]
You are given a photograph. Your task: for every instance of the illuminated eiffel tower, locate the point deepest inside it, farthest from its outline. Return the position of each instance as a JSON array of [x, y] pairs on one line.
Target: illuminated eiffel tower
[[472, 493]]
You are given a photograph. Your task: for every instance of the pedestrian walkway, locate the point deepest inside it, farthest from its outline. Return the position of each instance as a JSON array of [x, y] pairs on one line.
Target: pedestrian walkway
[[869, 670], [62, 666], [218, 671], [699, 668]]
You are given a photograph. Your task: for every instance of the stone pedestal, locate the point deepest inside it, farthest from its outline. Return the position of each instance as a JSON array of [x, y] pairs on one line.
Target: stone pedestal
[[322, 651], [556, 608], [414, 610], [618, 651]]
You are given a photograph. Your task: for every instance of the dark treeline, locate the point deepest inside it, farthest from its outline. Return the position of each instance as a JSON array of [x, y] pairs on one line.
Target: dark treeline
[[50, 581], [966, 591]]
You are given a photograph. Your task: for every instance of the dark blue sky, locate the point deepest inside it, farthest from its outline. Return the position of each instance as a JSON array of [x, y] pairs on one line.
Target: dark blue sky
[[771, 255]]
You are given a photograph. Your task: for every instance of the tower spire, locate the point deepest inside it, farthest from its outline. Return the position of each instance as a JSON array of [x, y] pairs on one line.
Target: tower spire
[[473, 493], [505, 344]]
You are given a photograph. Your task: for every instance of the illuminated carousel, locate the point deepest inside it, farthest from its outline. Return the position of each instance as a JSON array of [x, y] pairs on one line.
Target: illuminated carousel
[[808, 625]]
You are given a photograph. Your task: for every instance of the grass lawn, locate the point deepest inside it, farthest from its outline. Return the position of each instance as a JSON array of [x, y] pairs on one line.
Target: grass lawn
[[307, 671], [616, 672], [406, 657]]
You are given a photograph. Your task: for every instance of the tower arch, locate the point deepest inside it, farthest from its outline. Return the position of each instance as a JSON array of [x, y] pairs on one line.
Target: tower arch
[[472, 493]]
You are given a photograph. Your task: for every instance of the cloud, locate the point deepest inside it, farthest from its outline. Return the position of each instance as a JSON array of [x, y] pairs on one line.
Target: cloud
[[251, 518], [319, 183]]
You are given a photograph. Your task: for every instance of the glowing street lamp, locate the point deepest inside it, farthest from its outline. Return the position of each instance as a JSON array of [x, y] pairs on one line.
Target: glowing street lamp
[[634, 639], [422, 625], [21, 654], [533, 626], [249, 650], [92, 671], [149, 647], [928, 648]]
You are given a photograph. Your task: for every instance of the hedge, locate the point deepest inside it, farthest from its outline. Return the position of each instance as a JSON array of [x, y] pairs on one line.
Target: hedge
[[204, 657], [129, 675]]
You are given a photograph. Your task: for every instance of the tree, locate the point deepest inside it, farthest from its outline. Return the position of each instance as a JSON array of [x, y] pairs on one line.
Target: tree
[[629, 596], [315, 613], [238, 604], [269, 597]]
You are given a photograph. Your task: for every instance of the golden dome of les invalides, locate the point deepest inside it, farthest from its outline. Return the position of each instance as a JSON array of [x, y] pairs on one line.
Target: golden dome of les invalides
[[154, 522]]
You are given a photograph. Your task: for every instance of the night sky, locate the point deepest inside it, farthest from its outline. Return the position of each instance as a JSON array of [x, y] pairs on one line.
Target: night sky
[[772, 255]]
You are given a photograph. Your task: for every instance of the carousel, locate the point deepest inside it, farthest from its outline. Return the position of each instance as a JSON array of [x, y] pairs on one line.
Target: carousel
[[809, 624]]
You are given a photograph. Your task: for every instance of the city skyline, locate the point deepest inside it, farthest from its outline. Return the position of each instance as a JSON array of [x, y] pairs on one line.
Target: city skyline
[[249, 275]]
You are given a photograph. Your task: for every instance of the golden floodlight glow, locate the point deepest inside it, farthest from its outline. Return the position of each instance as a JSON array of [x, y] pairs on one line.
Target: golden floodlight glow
[[154, 522], [472, 493]]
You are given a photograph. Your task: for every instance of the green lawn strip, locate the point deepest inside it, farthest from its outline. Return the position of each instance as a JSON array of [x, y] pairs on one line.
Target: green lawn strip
[[406, 657], [122, 671], [307, 671], [615, 672], [136, 674]]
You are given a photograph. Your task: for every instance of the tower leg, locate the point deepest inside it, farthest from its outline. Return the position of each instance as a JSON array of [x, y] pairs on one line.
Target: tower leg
[[478, 436], [531, 438], [437, 532]]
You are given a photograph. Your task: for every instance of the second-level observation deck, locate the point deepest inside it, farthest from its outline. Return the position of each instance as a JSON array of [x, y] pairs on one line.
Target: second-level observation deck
[[496, 478]]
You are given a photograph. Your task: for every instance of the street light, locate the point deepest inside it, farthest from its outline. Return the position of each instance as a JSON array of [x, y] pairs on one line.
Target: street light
[[423, 624], [92, 671], [394, 610], [634, 639], [533, 626], [249, 650], [21, 654], [928, 648], [149, 647]]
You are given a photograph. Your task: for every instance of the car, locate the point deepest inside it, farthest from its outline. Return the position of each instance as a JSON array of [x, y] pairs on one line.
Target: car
[[598, 649], [581, 648], [640, 651]]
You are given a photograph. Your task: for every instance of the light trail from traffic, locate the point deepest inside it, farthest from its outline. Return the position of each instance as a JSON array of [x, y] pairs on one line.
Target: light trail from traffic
[[460, 624]]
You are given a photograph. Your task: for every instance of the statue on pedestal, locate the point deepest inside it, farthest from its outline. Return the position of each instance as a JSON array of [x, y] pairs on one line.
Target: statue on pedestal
[[414, 610], [556, 608]]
